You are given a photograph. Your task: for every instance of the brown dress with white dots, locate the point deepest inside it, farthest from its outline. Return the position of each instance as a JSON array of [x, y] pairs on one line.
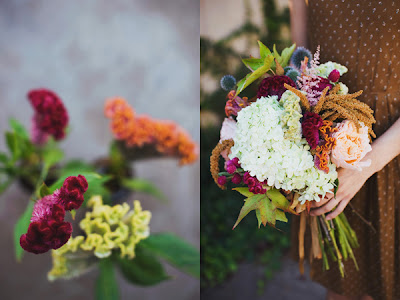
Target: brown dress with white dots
[[364, 35]]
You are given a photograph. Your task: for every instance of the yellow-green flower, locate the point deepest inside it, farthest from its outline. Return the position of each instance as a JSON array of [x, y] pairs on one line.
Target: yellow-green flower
[[106, 228]]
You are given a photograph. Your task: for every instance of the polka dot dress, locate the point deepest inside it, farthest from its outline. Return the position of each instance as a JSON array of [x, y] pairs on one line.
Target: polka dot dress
[[364, 35]]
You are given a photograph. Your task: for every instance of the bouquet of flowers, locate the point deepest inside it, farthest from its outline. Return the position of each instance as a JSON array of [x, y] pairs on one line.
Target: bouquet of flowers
[[109, 232], [282, 147]]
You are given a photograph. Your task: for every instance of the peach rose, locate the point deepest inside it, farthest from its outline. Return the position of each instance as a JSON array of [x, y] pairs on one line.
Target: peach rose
[[351, 146]]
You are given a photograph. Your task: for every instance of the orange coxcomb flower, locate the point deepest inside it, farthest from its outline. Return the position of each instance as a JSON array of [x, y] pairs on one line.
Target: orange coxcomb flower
[[137, 131]]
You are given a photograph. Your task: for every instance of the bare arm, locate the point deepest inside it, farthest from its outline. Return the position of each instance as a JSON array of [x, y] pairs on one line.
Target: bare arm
[[298, 21]]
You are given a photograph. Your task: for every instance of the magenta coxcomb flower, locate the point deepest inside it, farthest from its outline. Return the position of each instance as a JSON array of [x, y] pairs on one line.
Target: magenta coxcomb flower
[[310, 128], [47, 229]]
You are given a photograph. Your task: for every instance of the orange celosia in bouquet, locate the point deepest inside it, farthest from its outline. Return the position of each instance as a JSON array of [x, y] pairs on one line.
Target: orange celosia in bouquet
[[283, 147], [143, 135]]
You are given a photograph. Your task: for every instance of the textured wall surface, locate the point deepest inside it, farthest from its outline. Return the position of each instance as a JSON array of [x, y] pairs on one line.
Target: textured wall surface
[[144, 50]]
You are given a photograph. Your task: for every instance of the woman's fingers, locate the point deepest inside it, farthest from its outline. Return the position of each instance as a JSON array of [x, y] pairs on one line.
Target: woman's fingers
[[342, 205], [326, 208], [324, 200]]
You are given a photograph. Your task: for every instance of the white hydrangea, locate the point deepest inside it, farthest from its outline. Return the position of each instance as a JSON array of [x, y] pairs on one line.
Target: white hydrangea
[[264, 152], [325, 69], [344, 90]]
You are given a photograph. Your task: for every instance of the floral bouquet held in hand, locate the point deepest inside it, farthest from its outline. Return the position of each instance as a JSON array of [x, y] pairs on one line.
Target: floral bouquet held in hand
[[282, 148]]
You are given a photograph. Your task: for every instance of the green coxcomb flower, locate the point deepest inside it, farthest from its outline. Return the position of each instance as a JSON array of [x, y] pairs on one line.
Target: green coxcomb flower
[[107, 228]]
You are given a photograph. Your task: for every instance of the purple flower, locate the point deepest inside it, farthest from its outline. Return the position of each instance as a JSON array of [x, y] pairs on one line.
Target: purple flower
[[237, 179], [230, 167], [222, 180], [334, 75]]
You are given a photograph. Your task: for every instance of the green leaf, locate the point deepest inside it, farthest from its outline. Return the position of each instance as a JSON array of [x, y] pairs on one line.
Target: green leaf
[[20, 228], [175, 250], [284, 58], [280, 216], [144, 269], [253, 63], [12, 144], [43, 191], [18, 128], [279, 200], [266, 206], [4, 158], [264, 51], [250, 78], [51, 156], [106, 283], [250, 204], [336, 183], [267, 211], [244, 191], [145, 186]]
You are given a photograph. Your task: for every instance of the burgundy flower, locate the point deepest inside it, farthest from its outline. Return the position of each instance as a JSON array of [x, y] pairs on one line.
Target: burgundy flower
[[71, 193], [50, 118], [236, 179], [221, 180], [235, 104], [274, 85], [230, 167], [322, 84], [334, 75], [45, 235], [47, 229], [310, 127]]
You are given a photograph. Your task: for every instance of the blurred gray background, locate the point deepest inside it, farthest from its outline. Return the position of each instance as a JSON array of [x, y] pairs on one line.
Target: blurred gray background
[[144, 50]]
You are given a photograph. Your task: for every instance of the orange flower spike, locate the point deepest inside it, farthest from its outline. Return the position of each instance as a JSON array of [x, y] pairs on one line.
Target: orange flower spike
[[115, 104]]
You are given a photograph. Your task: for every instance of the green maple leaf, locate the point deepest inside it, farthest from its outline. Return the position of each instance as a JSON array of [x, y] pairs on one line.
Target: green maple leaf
[[269, 207]]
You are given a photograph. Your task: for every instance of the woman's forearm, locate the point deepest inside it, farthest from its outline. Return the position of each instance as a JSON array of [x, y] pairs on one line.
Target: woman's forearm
[[385, 148], [298, 22]]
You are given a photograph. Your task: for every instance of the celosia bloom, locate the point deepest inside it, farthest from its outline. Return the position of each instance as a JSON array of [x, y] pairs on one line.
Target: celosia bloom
[[106, 228], [351, 146], [47, 229], [137, 131], [310, 127], [274, 86], [265, 153], [50, 118]]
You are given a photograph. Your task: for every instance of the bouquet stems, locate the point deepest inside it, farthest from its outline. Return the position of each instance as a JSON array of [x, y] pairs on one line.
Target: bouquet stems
[[337, 240]]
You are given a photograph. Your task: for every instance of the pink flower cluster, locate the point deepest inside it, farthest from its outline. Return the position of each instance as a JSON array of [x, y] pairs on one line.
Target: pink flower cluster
[[255, 186], [50, 118], [231, 167], [47, 229]]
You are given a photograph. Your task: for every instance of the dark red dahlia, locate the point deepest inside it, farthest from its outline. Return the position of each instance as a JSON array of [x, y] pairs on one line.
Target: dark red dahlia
[[310, 127], [50, 118], [274, 85]]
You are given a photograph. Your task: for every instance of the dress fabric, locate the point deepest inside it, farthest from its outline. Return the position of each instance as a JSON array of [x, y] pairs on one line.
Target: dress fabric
[[364, 36]]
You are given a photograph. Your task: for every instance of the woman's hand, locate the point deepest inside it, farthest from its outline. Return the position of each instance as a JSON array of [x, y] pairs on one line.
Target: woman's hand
[[350, 182]]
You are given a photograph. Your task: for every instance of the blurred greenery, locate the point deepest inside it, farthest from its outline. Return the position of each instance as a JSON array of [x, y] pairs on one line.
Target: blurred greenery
[[223, 249]]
